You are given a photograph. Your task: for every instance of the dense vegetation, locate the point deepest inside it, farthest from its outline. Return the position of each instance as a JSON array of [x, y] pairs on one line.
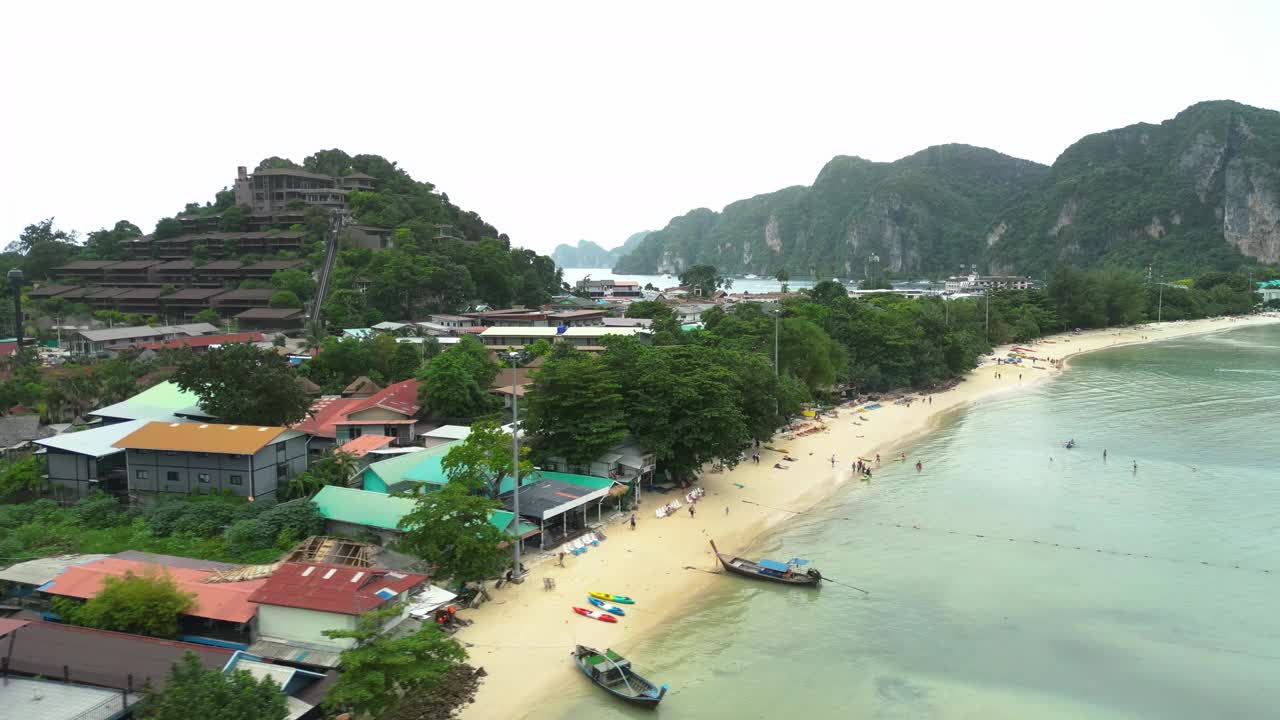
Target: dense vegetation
[[193, 691], [925, 212], [137, 604], [214, 527], [1168, 195], [1160, 195], [72, 389]]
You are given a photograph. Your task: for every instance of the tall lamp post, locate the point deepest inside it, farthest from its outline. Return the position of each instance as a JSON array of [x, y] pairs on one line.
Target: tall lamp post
[[514, 356], [15, 281]]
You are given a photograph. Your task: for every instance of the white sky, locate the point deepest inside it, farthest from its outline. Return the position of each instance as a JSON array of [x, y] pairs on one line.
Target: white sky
[[565, 120]]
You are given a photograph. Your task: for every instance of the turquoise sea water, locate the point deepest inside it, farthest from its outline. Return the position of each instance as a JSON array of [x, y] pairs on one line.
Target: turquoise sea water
[[1056, 611]]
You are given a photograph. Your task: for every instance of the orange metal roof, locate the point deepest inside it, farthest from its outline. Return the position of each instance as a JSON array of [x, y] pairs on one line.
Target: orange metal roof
[[218, 601], [201, 437], [362, 445]]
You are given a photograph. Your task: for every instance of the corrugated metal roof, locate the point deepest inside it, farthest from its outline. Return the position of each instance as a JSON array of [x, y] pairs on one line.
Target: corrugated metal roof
[[96, 443], [202, 437], [361, 507], [333, 588], [366, 443], [158, 402], [42, 570], [219, 601]]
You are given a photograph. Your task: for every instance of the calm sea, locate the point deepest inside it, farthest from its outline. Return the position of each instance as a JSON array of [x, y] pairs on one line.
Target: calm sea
[[758, 285], [1041, 583]]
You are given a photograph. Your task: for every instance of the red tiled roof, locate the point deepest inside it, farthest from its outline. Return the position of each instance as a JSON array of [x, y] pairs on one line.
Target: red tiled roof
[[401, 397], [365, 444], [7, 626], [218, 601], [7, 349], [333, 588], [323, 416], [349, 421], [204, 341]]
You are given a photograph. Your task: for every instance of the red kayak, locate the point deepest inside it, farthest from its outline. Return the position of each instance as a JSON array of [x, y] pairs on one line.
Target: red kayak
[[602, 617]]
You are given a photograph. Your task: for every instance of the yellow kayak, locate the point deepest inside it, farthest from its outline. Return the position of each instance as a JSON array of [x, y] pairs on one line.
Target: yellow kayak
[[613, 598]]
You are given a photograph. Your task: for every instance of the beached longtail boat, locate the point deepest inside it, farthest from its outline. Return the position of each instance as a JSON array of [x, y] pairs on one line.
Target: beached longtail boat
[[613, 672], [788, 573]]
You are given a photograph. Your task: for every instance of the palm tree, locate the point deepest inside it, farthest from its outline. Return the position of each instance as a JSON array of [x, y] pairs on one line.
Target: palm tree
[[314, 335]]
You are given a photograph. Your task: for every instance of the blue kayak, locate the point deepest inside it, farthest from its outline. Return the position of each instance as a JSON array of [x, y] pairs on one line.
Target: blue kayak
[[606, 606]]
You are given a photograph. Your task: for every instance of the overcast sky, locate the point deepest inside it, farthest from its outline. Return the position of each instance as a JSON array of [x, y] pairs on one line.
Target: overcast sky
[[558, 121]]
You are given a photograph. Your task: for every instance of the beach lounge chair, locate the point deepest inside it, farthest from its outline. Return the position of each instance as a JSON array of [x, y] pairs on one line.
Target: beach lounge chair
[[660, 512], [591, 538], [578, 547]]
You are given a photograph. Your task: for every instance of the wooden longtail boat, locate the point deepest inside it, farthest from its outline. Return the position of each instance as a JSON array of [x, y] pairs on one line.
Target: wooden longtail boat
[[613, 672], [788, 573]]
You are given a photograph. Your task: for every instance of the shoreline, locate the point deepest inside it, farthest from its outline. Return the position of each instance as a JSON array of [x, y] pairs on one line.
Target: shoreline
[[524, 635]]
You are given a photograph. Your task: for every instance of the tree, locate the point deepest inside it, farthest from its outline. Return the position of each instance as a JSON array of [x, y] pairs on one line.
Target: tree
[[109, 244], [234, 219], [23, 476], [450, 529], [783, 277], [481, 461], [208, 315], [574, 410], [241, 383], [539, 348], [298, 282], [285, 299], [381, 670], [136, 604], [681, 403], [167, 228], [333, 468], [43, 248], [456, 382], [704, 279], [210, 694]]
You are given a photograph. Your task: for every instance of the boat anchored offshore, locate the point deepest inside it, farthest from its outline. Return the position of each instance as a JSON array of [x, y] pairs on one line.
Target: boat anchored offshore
[[788, 573], [613, 672]]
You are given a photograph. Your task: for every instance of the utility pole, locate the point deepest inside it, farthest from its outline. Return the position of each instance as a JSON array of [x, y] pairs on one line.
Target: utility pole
[[986, 295], [1160, 299], [515, 465], [15, 282]]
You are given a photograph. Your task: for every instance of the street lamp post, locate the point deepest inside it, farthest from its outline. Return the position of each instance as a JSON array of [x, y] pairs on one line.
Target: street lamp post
[[514, 357], [15, 281]]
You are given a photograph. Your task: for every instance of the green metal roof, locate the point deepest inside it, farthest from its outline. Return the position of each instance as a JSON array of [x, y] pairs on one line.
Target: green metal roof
[[362, 507], [396, 469], [501, 519], [158, 402]]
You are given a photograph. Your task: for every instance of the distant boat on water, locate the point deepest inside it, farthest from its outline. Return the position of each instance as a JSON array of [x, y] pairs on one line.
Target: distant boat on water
[[749, 276]]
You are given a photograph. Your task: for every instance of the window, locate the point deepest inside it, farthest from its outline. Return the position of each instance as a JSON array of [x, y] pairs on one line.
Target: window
[[237, 479], [282, 471], [172, 476], [202, 477], [142, 474]]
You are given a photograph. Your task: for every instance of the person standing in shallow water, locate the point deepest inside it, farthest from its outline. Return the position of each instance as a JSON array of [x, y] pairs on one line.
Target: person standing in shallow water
[[1104, 454]]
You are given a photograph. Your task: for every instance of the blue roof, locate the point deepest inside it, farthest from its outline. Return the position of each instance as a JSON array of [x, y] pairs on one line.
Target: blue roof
[[773, 565]]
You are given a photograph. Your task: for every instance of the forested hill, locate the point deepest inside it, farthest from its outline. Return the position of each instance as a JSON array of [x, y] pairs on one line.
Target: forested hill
[[590, 255], [924, 212], [1198, 192]]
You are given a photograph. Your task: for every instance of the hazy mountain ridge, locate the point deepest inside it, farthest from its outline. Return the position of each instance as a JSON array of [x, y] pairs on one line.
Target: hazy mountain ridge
[[587, 254]]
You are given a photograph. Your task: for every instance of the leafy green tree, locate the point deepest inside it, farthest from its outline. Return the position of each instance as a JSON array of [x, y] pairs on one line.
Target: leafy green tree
[[456, 382], [109, 244], [210, 694], [285, 299], [208, 315], [575, 408], [43, 248], [705, 279], [333, 468], [298, 282], [167, 228], [539, 348], [241, 383], [22, 476], [783, 277], [136, 604], [681, 404], [382, 669], [234, 219], [450, 529], [483, 459], [406, 360]]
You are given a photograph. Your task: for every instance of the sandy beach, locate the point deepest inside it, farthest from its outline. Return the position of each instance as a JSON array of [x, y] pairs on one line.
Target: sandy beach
[[523, 637]]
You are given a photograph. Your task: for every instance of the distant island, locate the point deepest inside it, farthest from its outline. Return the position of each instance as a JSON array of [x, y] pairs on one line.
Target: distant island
[[1197, 192], [590, 255]]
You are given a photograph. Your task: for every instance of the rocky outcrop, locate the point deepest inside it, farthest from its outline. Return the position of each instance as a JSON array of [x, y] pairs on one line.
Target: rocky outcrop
[[1251, 209]]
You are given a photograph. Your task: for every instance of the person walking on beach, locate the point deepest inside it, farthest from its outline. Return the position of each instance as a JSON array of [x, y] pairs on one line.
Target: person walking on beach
[[726, 509], [877, 459], [561, 558], [833, 462], [633, 521], [690, 512]]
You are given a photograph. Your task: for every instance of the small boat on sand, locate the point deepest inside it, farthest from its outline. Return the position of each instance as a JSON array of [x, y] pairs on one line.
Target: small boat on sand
[[620, 599], [613, 672], [596, 614], [788, 573], [606, 606]]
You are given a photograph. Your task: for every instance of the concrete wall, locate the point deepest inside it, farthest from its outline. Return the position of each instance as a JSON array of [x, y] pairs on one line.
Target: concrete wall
[[306, 626]]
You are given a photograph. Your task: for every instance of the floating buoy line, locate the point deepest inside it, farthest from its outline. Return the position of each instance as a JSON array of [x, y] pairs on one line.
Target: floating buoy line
[[998, 537]]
